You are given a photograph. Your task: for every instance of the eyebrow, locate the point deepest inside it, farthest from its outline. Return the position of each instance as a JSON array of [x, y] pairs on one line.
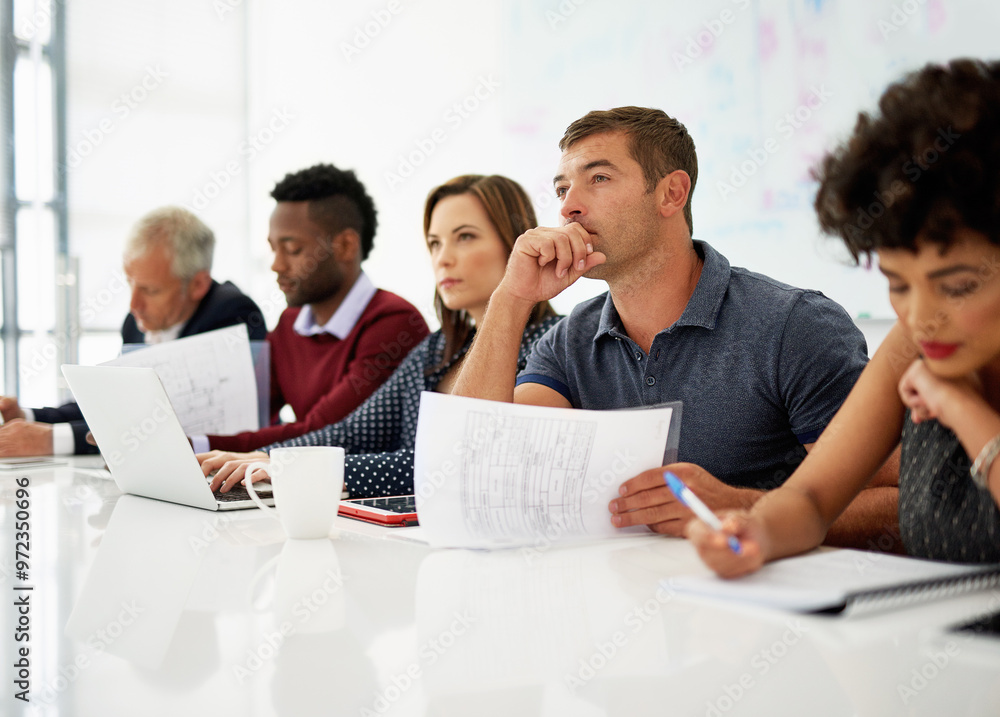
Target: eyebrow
[[282, 240], [587, 167], [456, 229], [938, 273], [948, 270]]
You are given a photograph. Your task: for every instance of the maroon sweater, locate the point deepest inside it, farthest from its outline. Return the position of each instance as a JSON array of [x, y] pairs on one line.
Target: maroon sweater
[[324, 378]]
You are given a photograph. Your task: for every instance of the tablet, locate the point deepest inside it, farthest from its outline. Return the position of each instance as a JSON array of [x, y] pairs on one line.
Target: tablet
[[395, 512]]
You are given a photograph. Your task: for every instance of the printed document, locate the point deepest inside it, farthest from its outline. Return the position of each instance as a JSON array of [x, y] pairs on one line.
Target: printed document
[[489, 474], [209, 379]]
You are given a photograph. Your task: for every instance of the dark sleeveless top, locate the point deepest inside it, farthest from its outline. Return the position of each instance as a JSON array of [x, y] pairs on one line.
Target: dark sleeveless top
[[943, 515]]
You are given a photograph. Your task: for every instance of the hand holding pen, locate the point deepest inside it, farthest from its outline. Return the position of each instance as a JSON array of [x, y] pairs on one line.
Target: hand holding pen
[[686, 496], [731, 546]]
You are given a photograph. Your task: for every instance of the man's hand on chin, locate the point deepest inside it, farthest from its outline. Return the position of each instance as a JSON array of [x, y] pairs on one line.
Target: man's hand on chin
[[23, 438]]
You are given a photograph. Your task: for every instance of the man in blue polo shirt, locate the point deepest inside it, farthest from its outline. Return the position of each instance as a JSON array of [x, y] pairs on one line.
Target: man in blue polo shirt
[[760, 366]]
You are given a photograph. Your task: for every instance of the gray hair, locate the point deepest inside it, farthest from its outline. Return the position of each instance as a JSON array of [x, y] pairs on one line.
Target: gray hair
[[185, 235]]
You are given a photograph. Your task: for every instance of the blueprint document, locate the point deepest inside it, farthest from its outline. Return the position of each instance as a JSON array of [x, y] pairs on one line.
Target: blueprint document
[[489, 474], [209, 379]]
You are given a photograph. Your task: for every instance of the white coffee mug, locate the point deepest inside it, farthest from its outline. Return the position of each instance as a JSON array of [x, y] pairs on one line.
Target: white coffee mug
[[307, 482]]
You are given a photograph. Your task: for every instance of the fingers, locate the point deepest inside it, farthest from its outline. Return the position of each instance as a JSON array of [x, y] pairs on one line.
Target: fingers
[[9, 408], [212, 461], [657, 508], [573, 245], [234, 472], [237, 470], [644, 481], [646, 500], [19, 438], [221, 474], [567, 249], [714, 549]]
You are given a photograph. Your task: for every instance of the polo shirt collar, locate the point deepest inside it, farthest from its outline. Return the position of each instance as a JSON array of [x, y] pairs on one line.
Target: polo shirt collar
[[702, 308], [344, 318]]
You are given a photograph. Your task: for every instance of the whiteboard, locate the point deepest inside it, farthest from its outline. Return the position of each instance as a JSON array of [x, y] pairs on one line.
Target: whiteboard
[[764, 88]]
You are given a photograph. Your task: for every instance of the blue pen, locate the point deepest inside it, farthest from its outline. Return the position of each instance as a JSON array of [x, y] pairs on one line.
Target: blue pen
[[686, 496]]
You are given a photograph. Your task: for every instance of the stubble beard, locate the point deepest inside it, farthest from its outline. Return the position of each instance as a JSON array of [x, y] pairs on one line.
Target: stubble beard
[[315, 287]]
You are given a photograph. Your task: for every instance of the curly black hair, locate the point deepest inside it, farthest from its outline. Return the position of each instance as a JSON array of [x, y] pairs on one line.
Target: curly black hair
[[337, 200], [926, 165]]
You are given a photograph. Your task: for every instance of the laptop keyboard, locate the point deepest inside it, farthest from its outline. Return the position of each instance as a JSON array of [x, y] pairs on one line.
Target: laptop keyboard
[[238, 492]]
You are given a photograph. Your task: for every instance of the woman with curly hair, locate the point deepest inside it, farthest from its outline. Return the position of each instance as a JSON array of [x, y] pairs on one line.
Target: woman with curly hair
[[918, 186], [470, 225]]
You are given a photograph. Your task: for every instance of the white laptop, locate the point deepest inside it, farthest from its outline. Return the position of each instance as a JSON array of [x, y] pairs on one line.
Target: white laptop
[[141, 438]]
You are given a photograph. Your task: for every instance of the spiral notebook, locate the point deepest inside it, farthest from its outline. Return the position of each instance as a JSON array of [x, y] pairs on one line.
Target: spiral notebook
[[842, 581]]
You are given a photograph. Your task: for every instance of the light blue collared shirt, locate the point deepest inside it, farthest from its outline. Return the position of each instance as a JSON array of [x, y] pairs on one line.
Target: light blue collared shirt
[[344, 318]]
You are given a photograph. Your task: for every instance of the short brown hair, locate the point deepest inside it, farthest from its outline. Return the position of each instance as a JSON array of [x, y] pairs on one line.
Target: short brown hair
[[657, 141], [509, 208], [926, 164]]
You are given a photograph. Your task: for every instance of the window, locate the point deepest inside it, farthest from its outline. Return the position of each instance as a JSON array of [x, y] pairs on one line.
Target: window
[[36, 286]]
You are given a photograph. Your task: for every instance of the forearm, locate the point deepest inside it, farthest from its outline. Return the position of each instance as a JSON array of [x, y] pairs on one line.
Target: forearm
[[786, 536], [976, 423], [810, 509], [490, 368], [870, 522]]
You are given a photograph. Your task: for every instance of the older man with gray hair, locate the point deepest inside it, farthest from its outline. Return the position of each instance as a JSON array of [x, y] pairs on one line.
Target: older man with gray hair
[[168, 262]]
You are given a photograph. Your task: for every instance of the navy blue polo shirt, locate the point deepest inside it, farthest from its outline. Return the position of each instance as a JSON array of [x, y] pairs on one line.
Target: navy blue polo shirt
[[760, 366]]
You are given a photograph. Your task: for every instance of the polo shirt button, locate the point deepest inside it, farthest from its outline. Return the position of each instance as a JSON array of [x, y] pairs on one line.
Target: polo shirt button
[[650, 380], [638, 355]]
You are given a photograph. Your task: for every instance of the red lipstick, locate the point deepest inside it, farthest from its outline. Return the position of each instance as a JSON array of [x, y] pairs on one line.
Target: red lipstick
[[936, 351]]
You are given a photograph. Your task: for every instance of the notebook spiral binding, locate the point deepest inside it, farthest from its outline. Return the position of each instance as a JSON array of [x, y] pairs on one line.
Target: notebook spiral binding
[[879, 599]]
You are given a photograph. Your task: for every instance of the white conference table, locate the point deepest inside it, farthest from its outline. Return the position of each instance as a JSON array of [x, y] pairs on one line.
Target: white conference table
[[146, 608]]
